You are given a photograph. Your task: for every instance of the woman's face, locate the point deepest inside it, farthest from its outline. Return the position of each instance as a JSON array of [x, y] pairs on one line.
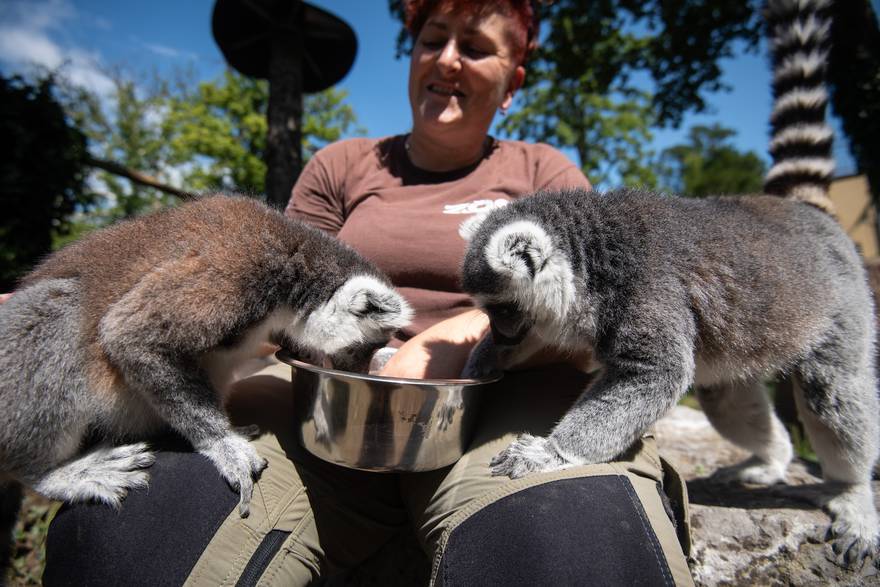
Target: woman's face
[[462, 70]]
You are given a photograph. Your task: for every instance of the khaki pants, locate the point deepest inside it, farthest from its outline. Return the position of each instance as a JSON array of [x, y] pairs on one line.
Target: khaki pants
[[327, 517]]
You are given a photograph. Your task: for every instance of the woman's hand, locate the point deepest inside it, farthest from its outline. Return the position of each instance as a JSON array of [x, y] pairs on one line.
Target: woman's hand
[[441, 351]]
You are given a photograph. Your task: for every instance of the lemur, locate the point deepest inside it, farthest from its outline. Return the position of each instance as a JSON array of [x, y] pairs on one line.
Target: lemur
[[143, 325], [719, 293]]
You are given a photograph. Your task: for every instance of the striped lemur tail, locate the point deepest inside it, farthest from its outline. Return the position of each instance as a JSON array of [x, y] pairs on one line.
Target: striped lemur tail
[[798, 34]]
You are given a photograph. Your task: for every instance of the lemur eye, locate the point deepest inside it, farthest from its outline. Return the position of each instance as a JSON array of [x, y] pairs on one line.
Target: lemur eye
[[502, 310]]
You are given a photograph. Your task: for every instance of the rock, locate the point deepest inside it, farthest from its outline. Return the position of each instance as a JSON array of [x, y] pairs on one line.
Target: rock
[[750, 535]]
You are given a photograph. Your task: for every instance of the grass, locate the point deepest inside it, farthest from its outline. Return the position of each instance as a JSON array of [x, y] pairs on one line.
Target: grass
[[689, 400], [29, 551], [801, 444]]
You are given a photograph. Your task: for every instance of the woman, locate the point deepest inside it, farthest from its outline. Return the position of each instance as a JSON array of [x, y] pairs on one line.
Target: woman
[[399, 201]]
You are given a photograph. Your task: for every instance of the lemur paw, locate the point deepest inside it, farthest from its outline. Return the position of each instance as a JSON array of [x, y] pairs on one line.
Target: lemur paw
[[238, 463], [526, 455], [450, 408], [752, 470], [483, 360], [106, 474], [322, 425], [854, 526]]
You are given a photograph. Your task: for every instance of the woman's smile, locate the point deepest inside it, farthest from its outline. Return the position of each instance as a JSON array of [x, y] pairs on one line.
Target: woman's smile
[[462, 71], [445, 90]]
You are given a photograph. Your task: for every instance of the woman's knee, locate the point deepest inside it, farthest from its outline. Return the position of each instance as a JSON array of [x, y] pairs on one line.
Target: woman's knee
[[155, 538], [573, 531]]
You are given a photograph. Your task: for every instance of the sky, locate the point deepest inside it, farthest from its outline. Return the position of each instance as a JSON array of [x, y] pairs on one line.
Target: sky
[[92, 37]]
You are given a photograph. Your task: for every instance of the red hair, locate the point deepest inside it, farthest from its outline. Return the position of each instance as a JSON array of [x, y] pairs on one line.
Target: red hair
[[525, 35]]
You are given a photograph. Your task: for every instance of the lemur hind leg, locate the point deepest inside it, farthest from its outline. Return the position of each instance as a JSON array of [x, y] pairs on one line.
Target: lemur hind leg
[[742, 413], [836, 396]]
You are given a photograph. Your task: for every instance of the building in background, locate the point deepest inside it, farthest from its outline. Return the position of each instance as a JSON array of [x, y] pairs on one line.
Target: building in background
[[852, 199]]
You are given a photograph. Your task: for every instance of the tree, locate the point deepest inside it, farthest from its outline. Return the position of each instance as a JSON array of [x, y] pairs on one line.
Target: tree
[[608, 70], [708, 164], [41, 175], [218, 133], [854, 75], [124, 135], [610, 134], [150, 137]]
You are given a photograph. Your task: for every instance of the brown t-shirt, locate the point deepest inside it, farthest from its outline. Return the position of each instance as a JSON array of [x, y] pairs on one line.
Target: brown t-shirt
[[405, 219]]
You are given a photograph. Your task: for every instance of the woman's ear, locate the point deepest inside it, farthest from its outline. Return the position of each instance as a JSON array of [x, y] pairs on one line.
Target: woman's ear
[[516, 81]]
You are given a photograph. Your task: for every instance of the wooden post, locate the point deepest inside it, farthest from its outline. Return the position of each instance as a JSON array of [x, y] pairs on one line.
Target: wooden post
[[284, 137]]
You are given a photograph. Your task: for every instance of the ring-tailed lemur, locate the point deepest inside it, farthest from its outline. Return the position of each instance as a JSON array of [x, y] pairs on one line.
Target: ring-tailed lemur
[[719, 293], [143, 325]]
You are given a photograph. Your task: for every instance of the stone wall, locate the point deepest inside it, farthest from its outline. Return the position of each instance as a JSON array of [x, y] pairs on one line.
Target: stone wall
[[751, 535]]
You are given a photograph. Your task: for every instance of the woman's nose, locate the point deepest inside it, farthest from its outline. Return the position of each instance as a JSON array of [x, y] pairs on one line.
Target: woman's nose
[[449, 60]]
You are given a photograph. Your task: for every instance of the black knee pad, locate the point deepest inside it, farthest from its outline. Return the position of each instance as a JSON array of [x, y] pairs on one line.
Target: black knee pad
[[154, 539], [583, 531]]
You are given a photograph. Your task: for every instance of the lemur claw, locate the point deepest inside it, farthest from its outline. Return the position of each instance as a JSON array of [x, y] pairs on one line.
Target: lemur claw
[[526, 455]]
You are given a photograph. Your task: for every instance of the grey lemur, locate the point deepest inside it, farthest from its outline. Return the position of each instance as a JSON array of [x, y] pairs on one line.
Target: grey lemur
[[143, 325], [719, 293]]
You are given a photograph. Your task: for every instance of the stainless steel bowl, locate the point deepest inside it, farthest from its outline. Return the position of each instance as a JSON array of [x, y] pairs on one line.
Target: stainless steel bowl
[[378, 423]]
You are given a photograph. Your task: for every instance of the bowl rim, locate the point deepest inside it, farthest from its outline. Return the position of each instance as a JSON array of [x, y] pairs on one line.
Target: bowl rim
[[284, 356]]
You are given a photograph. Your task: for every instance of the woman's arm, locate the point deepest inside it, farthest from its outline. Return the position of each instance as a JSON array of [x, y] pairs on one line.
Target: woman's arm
[[441, 351]]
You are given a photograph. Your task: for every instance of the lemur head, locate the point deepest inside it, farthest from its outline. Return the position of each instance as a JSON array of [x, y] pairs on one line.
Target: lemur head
[[518, 275], [360, 317]]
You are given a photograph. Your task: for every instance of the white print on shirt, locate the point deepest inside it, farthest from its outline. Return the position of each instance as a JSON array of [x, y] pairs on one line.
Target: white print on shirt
[[475, 207]]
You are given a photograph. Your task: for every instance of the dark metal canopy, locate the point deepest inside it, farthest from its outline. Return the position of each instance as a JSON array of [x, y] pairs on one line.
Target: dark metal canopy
[[246, 30]]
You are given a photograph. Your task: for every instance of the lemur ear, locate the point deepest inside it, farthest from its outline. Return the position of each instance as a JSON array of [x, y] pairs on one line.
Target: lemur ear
[[363, 312], [468, 228], [520, 249], [370, 299]]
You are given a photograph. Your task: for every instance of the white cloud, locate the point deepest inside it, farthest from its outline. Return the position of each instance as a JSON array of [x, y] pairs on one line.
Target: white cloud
[[84, 69], [27, 31], [36, 15], [20, 46], [162, 50]]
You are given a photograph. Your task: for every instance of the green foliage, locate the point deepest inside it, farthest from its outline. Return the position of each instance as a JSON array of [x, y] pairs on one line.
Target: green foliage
[[801, 444], [209, 137], [29, 556], [709, 165], [611, 136], [607, 71], [326, 118], [124, 129], [218, 132], [197, 136], [854, 74], [41, 176], [689, 400]]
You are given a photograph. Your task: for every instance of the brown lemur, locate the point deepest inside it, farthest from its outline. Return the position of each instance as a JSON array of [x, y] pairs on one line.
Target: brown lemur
[[719, 293], [143, 325]]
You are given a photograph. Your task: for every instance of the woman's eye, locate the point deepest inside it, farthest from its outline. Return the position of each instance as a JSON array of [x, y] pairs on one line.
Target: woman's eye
[[475, 52], [432, 44]]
